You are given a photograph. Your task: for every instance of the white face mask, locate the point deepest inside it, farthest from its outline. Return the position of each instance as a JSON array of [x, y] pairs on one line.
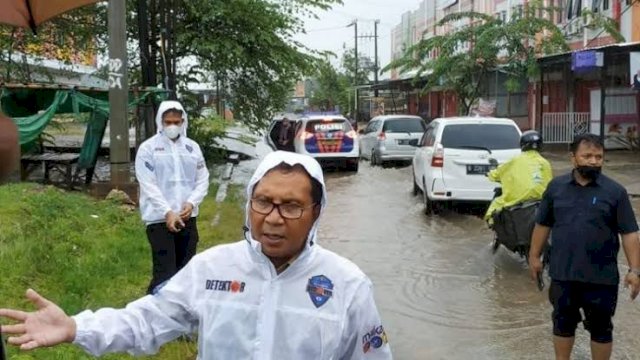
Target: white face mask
[[172, 131]]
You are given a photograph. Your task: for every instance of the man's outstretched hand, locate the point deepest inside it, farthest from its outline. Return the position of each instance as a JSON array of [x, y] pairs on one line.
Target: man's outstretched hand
[[47, 326]]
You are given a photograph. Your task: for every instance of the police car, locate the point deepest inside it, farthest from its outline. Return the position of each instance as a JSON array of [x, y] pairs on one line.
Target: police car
[[330, 139]]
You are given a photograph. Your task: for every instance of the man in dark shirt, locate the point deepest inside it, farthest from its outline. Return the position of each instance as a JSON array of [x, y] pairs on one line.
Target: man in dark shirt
[[586, 211], [286, 135]]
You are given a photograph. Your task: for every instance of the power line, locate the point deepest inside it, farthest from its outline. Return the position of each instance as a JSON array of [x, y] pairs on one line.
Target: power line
[[352, 16], [326, 29]]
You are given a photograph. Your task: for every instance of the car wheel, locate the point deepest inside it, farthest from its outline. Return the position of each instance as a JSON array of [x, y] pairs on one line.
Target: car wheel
[[428, 204]]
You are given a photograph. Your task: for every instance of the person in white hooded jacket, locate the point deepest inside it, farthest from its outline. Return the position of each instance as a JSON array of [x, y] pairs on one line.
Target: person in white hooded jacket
[[174, 180], [275, 295]]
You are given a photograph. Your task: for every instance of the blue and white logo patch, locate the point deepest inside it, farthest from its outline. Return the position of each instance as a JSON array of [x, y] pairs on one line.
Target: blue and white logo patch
[[189, 148], [149, 166], [320, 289]]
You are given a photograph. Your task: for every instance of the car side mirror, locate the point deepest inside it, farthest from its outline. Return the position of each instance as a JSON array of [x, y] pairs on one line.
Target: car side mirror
[[414, 142]]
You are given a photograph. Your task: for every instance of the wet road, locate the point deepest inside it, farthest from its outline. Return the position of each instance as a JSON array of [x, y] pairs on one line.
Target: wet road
[[441, 292]]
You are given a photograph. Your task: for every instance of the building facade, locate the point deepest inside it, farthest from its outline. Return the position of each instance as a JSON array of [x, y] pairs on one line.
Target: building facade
[[422, 23]]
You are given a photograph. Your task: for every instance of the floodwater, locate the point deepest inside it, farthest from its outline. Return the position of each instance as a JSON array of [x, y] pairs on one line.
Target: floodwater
[[441, 292]]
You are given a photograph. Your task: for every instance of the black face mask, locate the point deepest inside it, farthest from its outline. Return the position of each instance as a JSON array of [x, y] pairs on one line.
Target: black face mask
[[589, 172]]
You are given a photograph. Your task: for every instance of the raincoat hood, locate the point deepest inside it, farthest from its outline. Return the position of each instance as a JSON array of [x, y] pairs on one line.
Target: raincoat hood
[[271, 161], [169, 105]]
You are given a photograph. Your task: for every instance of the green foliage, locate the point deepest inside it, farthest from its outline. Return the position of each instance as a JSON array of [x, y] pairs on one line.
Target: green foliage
[[599, 21], [365, 68], [249, 46], [332, 88], [82, 253], [206, 131], [334, 85], [467, 54], [78, 35]]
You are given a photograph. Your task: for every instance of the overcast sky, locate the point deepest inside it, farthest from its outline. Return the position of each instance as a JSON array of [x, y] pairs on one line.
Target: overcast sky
[[330, 31]]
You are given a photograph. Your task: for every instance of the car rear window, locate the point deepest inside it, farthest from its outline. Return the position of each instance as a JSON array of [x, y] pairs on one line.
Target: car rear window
[[490, 136], [322, 126], [404, 125]]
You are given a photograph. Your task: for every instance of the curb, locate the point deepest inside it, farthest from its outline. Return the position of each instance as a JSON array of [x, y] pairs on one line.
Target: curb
[[224, 185]]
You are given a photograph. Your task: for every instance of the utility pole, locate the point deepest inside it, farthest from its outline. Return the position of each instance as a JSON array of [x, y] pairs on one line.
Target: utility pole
[[355, 78], [118, 94], [375, 66]]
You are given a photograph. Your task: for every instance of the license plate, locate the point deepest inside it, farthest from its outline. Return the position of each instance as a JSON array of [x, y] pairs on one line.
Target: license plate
[[404, 141], [478, 169]]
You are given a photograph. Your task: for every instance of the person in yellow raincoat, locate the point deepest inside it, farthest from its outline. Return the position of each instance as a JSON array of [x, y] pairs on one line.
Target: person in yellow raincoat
[[523, 178]]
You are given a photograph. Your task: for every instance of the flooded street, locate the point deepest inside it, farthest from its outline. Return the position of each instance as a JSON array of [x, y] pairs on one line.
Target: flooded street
[[441, 292]]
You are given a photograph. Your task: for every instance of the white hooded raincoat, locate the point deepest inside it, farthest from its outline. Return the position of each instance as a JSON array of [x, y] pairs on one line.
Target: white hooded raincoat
[[170, 173], [320, 307]]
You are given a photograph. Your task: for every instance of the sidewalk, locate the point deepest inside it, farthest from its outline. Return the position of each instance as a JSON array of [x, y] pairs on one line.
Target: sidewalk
[[622, 166]]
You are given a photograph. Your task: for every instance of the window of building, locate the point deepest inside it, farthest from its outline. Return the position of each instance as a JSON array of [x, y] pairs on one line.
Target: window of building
[[560, 12], [519, 12], [605, 5]]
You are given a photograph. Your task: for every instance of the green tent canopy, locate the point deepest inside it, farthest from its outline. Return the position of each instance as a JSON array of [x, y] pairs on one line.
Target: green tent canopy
[[32, 109]]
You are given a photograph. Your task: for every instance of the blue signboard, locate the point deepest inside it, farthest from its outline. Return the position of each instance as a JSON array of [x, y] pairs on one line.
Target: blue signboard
[[586, 60]]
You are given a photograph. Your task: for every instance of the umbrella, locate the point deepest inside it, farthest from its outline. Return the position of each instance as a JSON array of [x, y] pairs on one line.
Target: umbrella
[[32, 13]]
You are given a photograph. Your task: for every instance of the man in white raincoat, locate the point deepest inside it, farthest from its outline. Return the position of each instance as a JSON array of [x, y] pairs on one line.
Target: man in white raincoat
[[174, 180], [275, 295]]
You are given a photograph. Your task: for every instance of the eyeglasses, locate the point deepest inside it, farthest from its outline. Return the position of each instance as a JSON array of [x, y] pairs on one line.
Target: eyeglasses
[[286, 210]]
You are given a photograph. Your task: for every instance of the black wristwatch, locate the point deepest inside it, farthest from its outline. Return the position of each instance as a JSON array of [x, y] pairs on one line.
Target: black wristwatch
[[635, 271]]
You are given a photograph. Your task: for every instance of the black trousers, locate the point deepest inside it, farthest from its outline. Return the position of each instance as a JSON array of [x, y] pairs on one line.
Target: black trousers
[[170, 251], [597, 301]]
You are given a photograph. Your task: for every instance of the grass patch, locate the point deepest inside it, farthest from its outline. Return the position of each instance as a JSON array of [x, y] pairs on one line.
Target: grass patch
[[52, 241]]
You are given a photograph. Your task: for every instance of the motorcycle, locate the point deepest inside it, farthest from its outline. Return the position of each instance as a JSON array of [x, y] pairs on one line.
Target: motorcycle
[[513, 227]]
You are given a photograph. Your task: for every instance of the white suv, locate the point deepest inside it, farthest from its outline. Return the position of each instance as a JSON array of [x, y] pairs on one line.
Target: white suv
[[387, 138], [454, 155]]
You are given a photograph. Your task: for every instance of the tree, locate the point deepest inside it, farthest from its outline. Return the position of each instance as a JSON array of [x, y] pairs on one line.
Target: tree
[[365, 68], [247, 45], [77, 36], [332, 88], [466, 55]]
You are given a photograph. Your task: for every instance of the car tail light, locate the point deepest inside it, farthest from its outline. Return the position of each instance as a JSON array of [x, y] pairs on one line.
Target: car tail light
[[438, 157], [352, 134], [382, 136], [305, 135]]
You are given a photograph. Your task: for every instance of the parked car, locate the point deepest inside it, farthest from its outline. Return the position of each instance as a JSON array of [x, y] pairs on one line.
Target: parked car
[[454, 155], [388, 137], [330, 139]]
